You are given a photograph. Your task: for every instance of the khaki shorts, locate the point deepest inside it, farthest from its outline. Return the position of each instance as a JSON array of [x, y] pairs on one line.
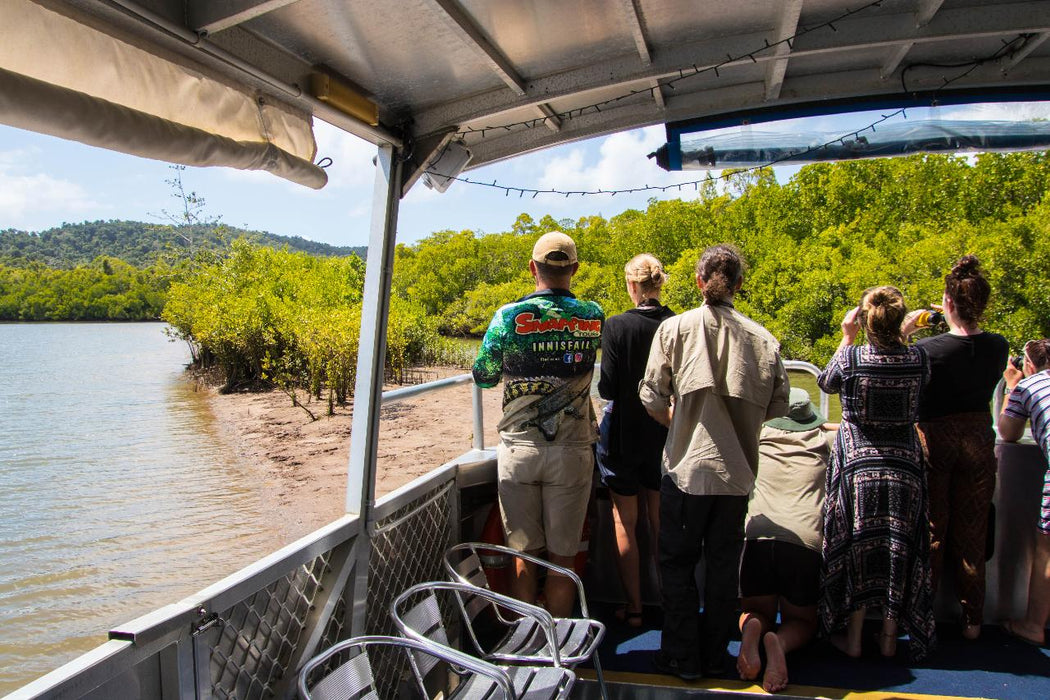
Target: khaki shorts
[[543, 494]]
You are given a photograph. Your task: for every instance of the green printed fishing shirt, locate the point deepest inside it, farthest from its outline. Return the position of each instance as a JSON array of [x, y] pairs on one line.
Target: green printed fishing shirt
[[544, 347]]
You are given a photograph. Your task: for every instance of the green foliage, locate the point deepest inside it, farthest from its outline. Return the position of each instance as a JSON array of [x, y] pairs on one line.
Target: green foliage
[[292, 319], [434, 271], [137, 243], [264, 313], [813, 245], [107, 289], [470, 314]]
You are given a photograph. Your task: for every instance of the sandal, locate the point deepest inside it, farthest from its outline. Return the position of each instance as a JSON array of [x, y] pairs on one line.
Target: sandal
[[628, 617]]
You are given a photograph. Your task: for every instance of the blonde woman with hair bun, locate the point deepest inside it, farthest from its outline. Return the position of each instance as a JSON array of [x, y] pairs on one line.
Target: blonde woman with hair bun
[[645, 277], [631, 443], [876, 531]]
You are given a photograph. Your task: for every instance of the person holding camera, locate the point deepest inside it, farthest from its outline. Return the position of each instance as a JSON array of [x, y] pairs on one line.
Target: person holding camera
[[955, 431], [1030, 399], [876, 529]]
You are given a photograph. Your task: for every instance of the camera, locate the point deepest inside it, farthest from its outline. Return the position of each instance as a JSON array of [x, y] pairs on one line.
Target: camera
[[1018, 362], [928, 318]]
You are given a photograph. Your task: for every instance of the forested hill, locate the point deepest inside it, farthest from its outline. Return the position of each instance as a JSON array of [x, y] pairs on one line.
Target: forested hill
[[140, 244], [813, 244]]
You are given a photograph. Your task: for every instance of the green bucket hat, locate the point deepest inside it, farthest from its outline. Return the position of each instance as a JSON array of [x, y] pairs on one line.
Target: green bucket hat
[[802, 414]]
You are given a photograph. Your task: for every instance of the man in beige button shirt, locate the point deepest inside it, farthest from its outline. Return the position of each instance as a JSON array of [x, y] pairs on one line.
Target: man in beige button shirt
[[713, 377]]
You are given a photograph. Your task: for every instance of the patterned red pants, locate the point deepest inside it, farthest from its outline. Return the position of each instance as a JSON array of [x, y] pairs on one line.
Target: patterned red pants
[[961, 468]]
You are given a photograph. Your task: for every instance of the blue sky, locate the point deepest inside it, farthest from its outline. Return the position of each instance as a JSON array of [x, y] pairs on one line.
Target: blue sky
[[46, 181]]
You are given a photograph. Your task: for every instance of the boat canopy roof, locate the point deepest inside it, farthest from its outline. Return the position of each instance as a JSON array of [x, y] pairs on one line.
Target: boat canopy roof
[[237, 82]]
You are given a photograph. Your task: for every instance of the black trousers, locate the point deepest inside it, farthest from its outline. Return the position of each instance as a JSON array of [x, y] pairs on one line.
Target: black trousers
[[691, 527]]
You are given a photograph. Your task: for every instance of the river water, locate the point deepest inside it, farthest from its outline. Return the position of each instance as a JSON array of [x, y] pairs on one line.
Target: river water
[[116, 494]]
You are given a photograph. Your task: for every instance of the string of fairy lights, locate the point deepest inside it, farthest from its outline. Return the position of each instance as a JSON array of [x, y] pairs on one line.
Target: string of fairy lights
[[1008, 49], [695, 184], [683, 73]]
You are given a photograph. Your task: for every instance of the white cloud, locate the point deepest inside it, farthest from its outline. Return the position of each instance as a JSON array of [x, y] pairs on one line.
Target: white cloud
[[14, 157], [616, 162], [351, 157], [1013, 111], [622, 164], [361, 210], [32, 200]]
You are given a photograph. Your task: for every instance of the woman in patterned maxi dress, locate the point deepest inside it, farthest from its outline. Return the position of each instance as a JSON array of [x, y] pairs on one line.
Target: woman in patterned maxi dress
[[876, 527]]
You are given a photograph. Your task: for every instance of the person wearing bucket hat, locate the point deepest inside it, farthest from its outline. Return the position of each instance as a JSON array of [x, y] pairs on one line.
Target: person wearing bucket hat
[[802, 414], [780, 568], [543, 347]]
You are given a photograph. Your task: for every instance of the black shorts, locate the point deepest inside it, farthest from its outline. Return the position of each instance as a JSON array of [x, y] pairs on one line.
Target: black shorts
[[625, 475], [789, 570], [629, 479]]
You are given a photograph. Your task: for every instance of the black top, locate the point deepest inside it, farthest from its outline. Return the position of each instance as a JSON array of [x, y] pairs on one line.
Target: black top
[[626, 339], [964, 372]]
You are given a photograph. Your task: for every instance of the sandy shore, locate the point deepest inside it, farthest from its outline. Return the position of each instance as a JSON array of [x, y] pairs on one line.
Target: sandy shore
[[303, 463]]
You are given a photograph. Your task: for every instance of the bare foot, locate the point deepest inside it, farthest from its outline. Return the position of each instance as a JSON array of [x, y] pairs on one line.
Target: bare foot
[[776, 678], [841, 642], [971, 632], [1020, 629], [748, 662]]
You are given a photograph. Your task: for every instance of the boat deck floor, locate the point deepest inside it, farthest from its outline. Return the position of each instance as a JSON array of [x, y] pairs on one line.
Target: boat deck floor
[[994, 666]]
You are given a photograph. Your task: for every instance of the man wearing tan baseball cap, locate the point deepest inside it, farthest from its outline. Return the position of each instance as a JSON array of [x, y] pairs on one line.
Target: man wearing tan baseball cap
[[554, 248], [543, 346]]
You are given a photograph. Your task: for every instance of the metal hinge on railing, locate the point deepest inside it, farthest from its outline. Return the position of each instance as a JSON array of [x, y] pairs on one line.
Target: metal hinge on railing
[[207, 621]]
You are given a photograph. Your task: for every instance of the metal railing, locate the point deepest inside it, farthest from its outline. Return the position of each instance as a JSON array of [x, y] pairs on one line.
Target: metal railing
[[247, 635], [801, 366], [477, 410]]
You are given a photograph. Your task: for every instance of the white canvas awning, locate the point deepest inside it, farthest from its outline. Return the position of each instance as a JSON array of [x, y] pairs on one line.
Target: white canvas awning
[[101, 89]]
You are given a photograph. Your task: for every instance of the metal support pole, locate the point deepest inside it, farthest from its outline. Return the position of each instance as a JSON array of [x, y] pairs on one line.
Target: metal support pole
[[478, 409], [371, 356]]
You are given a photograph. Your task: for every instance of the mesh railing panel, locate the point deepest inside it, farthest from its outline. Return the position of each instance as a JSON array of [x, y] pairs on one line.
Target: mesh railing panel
[[260, 634], [407, 548], [335, 630]]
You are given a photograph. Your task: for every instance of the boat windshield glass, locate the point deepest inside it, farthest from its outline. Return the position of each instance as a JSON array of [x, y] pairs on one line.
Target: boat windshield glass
[[956, 128]]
